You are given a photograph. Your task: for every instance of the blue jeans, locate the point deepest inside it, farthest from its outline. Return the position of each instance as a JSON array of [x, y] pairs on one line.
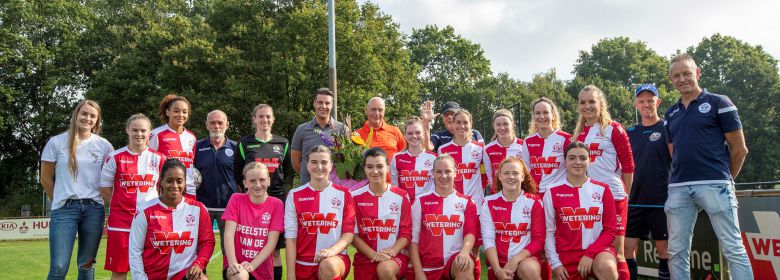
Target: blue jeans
[[720, 203], [84, 217]]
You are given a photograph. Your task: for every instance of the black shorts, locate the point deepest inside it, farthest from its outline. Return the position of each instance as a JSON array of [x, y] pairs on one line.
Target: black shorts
[[280, 242], [224, 275], [646, 221]]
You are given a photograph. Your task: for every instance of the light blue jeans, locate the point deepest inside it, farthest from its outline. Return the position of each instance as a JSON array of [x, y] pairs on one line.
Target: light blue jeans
[[720, 203], [78, 216]]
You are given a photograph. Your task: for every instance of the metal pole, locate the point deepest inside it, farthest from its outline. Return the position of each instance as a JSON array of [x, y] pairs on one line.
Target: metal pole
[[332, 56]]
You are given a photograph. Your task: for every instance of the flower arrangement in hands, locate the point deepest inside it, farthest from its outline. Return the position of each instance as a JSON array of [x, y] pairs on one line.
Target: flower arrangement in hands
[[348, 149]]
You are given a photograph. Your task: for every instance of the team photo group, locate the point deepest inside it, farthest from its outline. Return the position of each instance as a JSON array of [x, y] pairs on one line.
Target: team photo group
[[551, 205]]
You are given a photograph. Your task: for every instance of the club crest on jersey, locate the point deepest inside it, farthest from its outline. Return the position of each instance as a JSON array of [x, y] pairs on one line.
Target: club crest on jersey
[[190, 219], [438, 224], [229, 152], [619, 219], [655, 136], [557, 147], [335, 202], [526, 211], [171, 241], [428, 163], [596, 197], [459, 206], [578, 217], [705, 108], [266, 216], [152, 164], [94, 155], [394, 207], [475, 154]]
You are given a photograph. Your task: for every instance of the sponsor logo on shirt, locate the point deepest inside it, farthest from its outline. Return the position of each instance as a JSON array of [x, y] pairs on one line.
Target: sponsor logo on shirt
[[675, 111], [133, 183], [318, 222], [404, 161], [305, 198], [171, 241], [413, 178], [277, 149], [495, 154], [431, 203], [499, 208], [170, 139], [533, 145], [124, 161], [374, 228], [564, 194], [157, 217], [184, 157], [578, 217], [595, 151], [438, 224], [271, 163], [95, 155], [544, 165], [655, 136], [365, 204], [466, 171], [509, 232]]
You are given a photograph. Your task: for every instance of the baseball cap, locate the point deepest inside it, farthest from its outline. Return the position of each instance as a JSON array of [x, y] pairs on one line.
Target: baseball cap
[[646, 87], [450, 106]]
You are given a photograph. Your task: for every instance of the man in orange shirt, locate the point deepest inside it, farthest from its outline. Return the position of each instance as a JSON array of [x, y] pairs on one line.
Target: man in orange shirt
[[386, 136]]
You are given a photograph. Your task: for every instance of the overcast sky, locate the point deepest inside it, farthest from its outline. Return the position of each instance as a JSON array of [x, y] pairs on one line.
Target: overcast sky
[[525, 37]]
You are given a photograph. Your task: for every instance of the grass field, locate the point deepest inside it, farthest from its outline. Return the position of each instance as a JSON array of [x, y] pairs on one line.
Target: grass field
[[30, 260]]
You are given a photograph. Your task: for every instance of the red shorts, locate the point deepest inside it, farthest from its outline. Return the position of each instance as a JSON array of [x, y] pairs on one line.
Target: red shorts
[[368, 270], [311, 271], [571, 260], [492, 275], [117, 254], [621, 210], [444, 273]]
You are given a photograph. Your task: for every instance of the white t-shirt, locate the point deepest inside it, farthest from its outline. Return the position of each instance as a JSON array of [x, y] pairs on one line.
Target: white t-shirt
[[90, 156]]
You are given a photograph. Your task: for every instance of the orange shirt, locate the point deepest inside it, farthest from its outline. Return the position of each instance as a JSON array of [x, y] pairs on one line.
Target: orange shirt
[[387, 137]]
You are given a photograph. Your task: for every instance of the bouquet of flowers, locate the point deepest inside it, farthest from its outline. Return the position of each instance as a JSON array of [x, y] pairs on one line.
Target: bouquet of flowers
[[348, 149]]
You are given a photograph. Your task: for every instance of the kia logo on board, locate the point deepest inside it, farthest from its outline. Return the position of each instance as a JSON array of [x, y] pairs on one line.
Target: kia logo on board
[[7, 226]]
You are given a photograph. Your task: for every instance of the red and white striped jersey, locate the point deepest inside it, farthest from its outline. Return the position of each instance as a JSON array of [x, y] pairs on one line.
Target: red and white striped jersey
[[165, 242], [413, 173], [381, 220], [317, 219], [610, 155], [495, 153], [467, 160], [134, 179], [439, 225], [575, 219], [512, 226], [179, 146], [545, 158]]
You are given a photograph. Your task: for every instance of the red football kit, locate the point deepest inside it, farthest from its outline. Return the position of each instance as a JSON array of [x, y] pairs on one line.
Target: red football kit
[[412, 173], [134, 180], [317, 219], [381, 221], [439, 225], [468, 158], [545, 159], [180, 146], [579, 223], [512, 226], [494, 153], [165, 242], [610, 156]]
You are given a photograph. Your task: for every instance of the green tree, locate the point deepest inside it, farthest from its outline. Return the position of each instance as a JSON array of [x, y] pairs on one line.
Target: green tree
[[451, 67], [43, 71], [623, 61], [748, 75]]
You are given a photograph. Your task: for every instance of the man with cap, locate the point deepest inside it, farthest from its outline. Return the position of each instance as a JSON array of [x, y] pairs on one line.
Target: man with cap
[[442, 137], [653, 163]]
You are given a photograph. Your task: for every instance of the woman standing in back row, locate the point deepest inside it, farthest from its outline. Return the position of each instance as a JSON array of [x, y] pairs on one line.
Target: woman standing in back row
[[611, 160], [70, 176], [172, 139]]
